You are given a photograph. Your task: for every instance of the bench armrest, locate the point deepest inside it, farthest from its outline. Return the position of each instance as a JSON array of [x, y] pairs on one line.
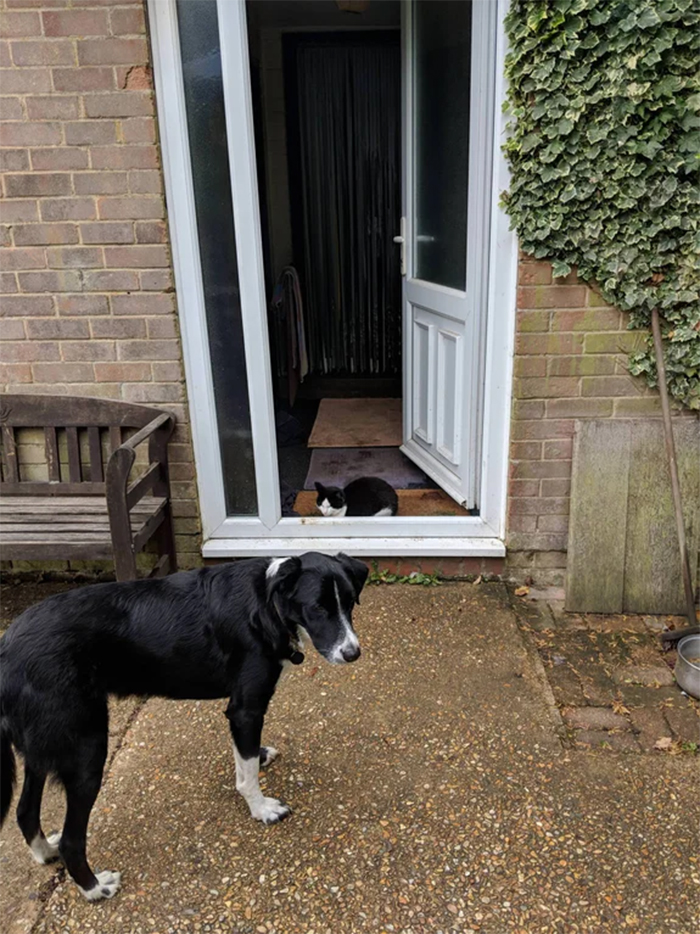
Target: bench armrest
[[123, 496]]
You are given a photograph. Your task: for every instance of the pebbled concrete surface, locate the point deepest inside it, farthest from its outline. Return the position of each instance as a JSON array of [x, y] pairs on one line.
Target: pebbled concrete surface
[[431, 793]]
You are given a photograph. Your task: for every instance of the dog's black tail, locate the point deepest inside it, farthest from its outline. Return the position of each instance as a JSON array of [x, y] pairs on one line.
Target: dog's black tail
[[8, 774]]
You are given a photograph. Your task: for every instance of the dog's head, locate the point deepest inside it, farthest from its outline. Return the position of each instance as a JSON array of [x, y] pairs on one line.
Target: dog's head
[[317, 594]]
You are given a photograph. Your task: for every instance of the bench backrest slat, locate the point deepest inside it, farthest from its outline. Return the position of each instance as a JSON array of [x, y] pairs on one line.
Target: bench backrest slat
[[52, 459], [96, 475]]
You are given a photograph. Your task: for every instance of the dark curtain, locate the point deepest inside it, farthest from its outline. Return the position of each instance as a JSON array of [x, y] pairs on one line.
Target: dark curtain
[[349, 127]]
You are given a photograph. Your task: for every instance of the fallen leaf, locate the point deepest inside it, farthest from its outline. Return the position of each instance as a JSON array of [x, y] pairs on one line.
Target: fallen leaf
[[478, 580], [522, 591], [664, 743], [619, 707]]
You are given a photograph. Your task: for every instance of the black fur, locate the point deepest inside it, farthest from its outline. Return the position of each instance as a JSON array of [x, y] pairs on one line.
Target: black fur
[[365, 496], [217, 632]]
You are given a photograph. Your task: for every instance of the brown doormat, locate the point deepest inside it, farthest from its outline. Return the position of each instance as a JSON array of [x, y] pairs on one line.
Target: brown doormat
[[411, 503], [357, 423]]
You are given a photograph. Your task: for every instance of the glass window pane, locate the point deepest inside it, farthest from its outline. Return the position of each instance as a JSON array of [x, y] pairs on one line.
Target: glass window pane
[[204, 97], [441, 57]]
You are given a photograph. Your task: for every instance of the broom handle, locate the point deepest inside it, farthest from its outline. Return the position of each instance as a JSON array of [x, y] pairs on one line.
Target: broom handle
[[673, 468]]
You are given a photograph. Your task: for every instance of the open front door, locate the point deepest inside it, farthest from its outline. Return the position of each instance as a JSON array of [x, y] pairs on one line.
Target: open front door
[[448, 78]]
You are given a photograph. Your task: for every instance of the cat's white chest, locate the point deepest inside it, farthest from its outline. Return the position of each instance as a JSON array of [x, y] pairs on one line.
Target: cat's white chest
[[327, 510]]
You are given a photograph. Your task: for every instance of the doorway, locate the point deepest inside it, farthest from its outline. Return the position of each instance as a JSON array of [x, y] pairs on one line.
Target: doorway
[[455, 324]]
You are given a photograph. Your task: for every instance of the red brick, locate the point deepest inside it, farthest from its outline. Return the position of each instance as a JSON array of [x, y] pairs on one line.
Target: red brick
[[137, 78], [100, 183], [83, 79], [119, 104], [25, 80], [163, 326], [107, 233], [556, 487], [29, 351], [530, 366], [146, 182], [14, 160], [614, 342], [151, 232], [68, 209], [522, 523], [37, 234], [128, 22], [19, 24], [526, 450], [58, 107], [530, 321], [137, 208], [18, 212], [550, 387], [8, 284], [109, 280], [541, 541], [149, 350], [122, 372], [534, 273], [553, 523], [15, 373], [54, 329], [532, 470], [75, 23], [160, 394], [22, 259], [113, 52], [133, 257], [78, 257], [88, 351], [37, 185], [12, 330], [63, 157], [124, 157], [517, 488], [30, 134], [569, 343], [584, 365], [5, 57], [11, 108], [5, 237], [118, 328], [637, 408], [40, 52], [563, 447], [91, 132], [83, 305], [54, 280], [168, 372], [540, 506], [601, 319], [63, 372], [138, 130], [527, 409], [555, 296], [579, 408], [157, 280], [143, 304], [21, 306], [542, 429], [609, 386]]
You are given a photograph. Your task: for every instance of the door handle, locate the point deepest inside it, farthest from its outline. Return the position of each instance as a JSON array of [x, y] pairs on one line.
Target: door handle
[[401, 239]]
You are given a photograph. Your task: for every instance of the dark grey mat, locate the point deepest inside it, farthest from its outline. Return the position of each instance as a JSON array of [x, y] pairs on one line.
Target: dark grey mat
[[338, 466]]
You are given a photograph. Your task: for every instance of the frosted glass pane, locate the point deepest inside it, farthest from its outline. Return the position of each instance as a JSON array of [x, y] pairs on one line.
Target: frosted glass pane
[[441, 55], [204, 98]]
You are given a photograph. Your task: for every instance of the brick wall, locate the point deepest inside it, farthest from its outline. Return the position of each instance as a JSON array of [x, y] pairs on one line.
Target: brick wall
[[88, 303], [570, 363]]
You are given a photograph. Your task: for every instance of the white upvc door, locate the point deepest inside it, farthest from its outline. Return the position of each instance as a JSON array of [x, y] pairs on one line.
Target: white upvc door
[[449, 54]]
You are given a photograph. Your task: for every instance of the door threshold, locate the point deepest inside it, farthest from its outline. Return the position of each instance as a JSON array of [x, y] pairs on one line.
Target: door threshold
[[413, 547]]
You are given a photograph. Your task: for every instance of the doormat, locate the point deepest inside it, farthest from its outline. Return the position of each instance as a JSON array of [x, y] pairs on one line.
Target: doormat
[[411, 503], [338, 466], [357, 423]]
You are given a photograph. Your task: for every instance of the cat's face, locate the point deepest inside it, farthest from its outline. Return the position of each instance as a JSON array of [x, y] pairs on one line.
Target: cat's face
[[330, 500]]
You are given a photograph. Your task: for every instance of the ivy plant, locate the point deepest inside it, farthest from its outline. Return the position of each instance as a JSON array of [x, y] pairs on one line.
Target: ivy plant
[[604, 150]]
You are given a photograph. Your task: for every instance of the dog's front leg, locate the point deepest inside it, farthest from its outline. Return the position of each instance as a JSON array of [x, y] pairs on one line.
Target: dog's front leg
[[246, 730]]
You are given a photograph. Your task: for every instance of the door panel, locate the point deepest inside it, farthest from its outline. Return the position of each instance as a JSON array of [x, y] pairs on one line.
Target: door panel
[[448, 62]]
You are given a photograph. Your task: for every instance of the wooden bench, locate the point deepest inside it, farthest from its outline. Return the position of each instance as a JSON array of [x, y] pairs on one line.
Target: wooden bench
[[88, 508]]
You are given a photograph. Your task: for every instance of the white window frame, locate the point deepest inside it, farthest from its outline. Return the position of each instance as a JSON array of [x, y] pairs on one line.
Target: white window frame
[[226, 536]]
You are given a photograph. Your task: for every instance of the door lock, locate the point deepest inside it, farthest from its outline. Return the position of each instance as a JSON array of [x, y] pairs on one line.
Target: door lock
[[401, 239]]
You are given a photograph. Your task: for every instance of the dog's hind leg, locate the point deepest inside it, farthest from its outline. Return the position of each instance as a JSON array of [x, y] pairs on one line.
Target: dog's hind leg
[[82, 784], [29, 817]]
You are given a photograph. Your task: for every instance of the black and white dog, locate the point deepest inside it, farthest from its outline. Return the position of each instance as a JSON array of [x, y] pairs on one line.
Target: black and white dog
[[223, 631]]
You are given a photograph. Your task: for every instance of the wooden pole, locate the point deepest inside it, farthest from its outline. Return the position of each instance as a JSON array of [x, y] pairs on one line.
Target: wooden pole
[[673, 468]]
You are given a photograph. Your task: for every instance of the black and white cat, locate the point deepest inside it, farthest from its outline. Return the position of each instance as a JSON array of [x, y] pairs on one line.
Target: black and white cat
[[366, 496]]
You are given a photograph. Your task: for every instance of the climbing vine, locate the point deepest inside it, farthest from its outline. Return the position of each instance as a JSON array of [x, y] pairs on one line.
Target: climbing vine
[[604, 149]]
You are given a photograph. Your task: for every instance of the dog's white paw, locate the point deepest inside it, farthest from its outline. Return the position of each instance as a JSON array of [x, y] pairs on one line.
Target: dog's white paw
[[107, 885], [267, 755], [45, 849], [270, 811]]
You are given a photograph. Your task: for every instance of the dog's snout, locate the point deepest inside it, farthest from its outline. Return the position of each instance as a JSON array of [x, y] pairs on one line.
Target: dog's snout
[[350, 652]]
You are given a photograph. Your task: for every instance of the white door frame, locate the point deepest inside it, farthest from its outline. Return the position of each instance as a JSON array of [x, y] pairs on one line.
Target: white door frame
[[226, 536]]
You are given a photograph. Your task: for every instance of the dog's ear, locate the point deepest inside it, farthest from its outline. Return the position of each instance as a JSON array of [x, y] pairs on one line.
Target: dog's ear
[[281, 576], [357, 571]]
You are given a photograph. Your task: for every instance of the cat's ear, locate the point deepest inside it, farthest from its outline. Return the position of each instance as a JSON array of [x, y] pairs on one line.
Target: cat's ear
[[320, 488], [357, 571]]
